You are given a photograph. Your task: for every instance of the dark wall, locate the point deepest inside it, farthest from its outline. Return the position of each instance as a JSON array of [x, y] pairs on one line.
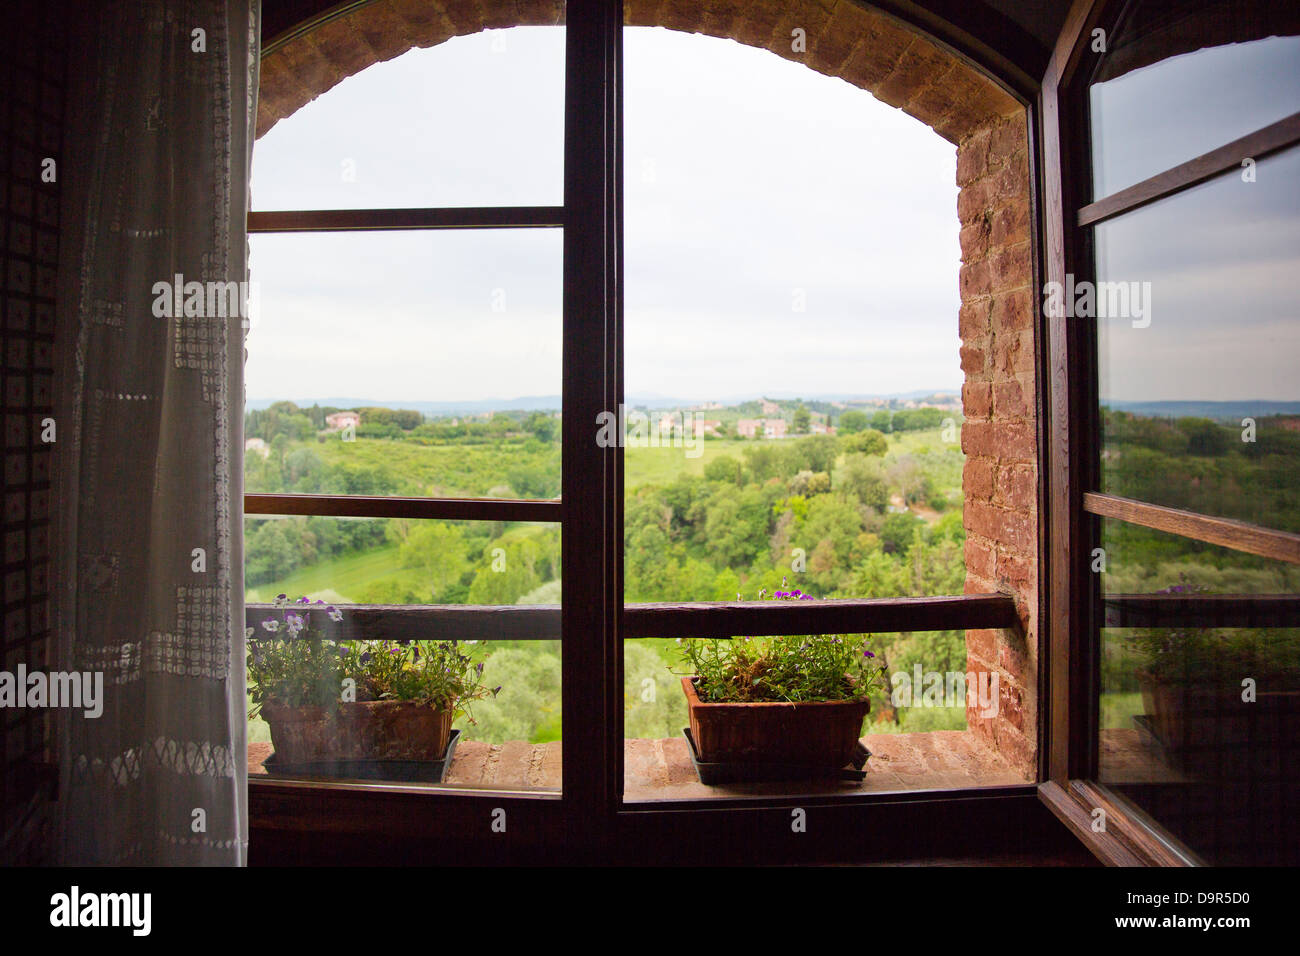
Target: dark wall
[[32, 83]]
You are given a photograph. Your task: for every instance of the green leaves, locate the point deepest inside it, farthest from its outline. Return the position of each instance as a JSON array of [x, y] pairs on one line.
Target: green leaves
[[822, 667]]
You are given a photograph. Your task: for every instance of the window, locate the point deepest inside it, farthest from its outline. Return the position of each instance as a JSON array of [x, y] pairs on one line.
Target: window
[[793, 359], [1185, 394], [989, 330], [402, 459]]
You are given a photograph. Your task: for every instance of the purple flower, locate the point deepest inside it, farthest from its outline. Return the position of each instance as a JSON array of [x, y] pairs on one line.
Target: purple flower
[[796, 593], [479, 667], [304, 600], [496, 690], [415, 653], [334, 613], [365, 657], [867, 653], [806, 597]]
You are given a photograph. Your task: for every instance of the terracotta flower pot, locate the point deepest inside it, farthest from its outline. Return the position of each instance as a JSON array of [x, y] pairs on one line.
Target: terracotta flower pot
[[1206, 727], [371, 730], [821, 734]]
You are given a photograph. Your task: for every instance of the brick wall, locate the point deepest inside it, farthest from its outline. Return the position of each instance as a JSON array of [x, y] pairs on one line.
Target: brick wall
[[999, 435], [903, 68]]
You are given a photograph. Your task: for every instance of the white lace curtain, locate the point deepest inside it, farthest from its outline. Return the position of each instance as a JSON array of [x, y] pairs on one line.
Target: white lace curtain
[[149, 545]]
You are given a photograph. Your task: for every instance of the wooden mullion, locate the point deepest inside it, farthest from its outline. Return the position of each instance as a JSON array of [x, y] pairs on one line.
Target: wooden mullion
[[1201, 610], [885, 615], [1262, 142], [591, 541], [378, 506], [462, 622], [381, 220], [1069, 384], [524, 622], [1226, 532]]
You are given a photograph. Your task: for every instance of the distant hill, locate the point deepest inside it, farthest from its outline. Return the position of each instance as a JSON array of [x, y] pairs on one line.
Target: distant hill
[[1247, 408], [529, 403]]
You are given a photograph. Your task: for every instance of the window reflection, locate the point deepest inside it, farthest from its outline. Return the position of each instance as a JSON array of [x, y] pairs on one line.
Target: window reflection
[[1200, 401], [1181, 79], [1199, 711]]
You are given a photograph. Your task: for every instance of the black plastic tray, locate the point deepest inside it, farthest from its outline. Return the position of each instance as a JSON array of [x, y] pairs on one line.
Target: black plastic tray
[[712, 774], [419, 771]]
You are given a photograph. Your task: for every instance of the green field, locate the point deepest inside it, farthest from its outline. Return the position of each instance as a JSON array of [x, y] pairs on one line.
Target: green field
[[334, 580]]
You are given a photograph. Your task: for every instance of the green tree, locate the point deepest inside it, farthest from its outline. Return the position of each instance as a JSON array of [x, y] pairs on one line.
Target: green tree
[[737, 527], [724, 469], [852, 422], [653, 704], [802, 419], [863, 478], [528, 706], [869, 442], [438, 551], [898, 531]]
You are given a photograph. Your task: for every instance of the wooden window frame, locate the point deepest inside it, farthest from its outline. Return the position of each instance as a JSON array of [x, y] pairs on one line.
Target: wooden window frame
[[1075, 606], [589, 821]]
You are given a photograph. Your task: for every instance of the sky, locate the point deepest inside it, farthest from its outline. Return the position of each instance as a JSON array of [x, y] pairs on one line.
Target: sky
[[1222, 257], [787, 233]]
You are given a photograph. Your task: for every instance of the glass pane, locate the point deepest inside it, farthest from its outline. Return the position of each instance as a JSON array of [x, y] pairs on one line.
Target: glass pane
[[508, 738], [792, 346], [406, 363], [400, 561], [475, 121], [915, 729], [1199, 394], [1200, 708], [1180, 79]]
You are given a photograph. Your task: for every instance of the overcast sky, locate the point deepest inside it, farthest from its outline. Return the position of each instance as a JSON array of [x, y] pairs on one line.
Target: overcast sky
[[754, 186], [1222, 258]]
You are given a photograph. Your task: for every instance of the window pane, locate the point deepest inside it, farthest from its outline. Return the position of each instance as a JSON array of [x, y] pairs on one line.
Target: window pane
[[915, 730], [475, 121], [791, 334], [1200, 399], [1180, 79], [409, 363], [1199, 715], [508, 739]]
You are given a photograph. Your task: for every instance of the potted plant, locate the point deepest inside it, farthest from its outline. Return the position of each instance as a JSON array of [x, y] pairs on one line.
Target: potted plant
[[357, 706], [791, 702]]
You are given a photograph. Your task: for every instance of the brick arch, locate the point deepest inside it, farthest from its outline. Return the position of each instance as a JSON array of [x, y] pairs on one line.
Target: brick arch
[[859, 45], [906, 70]]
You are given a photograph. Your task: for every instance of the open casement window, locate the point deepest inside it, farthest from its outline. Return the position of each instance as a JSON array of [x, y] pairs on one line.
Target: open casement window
[[1175, 691], [944, 81]]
